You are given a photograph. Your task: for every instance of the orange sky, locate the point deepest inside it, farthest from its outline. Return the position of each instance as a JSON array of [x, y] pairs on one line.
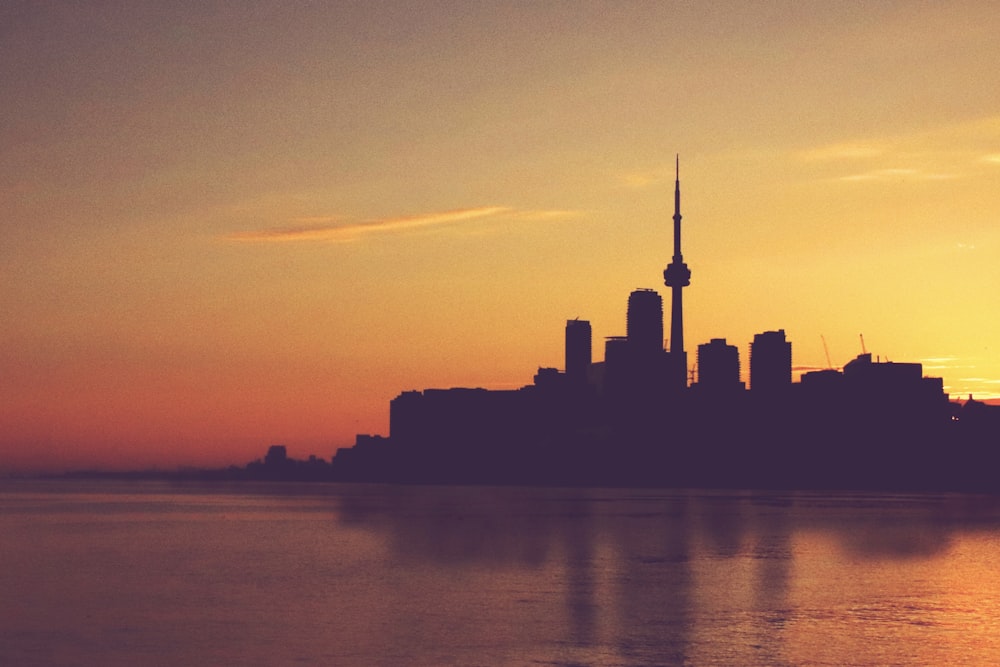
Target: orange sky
[[229, 226]]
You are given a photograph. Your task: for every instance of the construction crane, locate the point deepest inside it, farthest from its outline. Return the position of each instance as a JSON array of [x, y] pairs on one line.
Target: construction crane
[[829, 364], [863, 350]]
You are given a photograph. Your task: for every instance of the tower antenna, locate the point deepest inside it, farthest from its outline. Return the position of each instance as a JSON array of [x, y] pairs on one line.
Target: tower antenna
[[677, 205]]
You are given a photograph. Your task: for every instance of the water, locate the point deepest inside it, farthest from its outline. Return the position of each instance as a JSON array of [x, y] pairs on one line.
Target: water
[[159, 574]]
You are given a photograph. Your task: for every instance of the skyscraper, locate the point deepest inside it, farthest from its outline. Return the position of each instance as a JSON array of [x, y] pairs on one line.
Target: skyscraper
[[677, 276], [578, 350], [770, 362], [718, 365], [644, 322]]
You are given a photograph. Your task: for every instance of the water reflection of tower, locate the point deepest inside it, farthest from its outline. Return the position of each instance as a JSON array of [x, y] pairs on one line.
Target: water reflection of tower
[[677, 276]]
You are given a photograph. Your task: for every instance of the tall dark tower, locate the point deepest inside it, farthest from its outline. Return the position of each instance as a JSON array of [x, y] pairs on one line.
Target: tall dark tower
[[578, 350], [677, 276]]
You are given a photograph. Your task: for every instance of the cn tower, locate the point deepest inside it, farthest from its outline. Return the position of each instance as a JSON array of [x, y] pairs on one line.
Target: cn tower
[[677, 276]]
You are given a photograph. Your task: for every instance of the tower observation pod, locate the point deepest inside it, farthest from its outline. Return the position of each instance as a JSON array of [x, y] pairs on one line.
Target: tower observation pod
[[677, 276]]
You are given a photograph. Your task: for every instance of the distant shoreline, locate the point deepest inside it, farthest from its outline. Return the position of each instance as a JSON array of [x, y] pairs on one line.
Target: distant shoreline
[[238, 475]]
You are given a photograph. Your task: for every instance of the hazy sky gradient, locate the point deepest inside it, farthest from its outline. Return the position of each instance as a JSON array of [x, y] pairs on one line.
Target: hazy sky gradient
[[451, 182]]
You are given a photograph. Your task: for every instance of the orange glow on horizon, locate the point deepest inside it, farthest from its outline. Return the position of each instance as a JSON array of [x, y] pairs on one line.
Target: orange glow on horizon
[[496, 172]]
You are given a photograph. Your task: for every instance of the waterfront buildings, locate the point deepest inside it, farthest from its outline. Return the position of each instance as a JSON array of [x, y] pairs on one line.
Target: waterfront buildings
[[633, 419]]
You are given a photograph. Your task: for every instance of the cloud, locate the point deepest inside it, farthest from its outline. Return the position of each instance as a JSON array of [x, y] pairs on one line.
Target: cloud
[[644, 178], [896, 174], [543, 215], [853, 150], [637, 180], [987, 381], [945, 363], [337, 229], [333, 228], [936, 153], [881, 175]]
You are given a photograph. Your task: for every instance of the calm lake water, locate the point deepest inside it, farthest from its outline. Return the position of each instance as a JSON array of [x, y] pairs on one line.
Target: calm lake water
[[159, 574]]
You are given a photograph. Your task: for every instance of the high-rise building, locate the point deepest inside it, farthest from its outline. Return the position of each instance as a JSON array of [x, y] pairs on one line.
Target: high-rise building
[[718, 365], [770, 362], [578, 350], [644, 325], [677, 276], [618, 363]]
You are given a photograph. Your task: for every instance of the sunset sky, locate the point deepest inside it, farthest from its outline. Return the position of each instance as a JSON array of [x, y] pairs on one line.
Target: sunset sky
[[229, 225]]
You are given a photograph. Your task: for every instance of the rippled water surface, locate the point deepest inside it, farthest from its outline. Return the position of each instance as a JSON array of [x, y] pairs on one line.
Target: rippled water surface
[[160, 574]]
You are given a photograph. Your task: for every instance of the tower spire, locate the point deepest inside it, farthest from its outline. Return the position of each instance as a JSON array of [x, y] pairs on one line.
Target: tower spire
[[677, 210]]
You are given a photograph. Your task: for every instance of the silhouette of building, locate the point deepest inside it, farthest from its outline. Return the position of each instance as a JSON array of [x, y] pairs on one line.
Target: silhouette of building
[[644, 323], [718, 366], [677, 276], [617, 365], [635, 364], [578, 350], [770, 362], [277, 455], [631, 420], [891, 386]]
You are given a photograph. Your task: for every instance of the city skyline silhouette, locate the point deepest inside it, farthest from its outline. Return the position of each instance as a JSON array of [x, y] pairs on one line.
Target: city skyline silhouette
[[226, 229], [633, 419], [500, 333]]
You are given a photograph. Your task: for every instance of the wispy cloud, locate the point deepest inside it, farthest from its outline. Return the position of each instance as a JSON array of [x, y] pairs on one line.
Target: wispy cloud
[[335, 228], [938, 360], [854, 150], [940, 363], [636, 180], [544, 215], [934, 154], [896, 174]]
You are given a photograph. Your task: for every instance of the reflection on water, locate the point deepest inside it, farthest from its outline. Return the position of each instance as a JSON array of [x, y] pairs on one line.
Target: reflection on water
[[614, 577], [382, 575]]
